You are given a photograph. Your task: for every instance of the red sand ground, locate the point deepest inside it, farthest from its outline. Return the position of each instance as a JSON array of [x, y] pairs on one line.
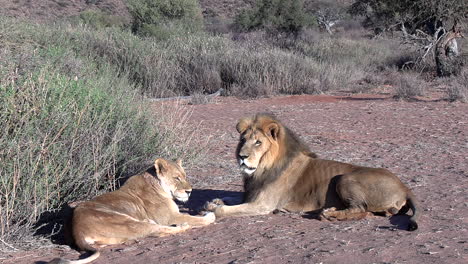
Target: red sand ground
[[424, 142]]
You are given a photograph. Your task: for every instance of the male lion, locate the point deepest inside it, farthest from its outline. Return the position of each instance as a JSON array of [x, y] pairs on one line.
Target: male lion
[[280, 173], [142, 207]]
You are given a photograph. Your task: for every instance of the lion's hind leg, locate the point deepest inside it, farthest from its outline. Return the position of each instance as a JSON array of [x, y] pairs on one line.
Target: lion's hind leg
[[353, 196]]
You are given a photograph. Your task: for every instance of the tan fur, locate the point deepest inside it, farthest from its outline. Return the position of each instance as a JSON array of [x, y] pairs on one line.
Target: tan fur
[[280, 173], [142, 207]]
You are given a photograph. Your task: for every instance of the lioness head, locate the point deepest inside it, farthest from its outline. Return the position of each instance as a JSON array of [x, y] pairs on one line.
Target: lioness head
[[259, 142], [173, 179]]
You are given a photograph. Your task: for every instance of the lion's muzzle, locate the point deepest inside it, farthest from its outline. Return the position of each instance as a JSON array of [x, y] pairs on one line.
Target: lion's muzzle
[[182, 196], [246, 168]]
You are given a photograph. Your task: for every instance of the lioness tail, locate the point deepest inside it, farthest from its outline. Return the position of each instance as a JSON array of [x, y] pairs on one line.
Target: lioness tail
[[82, 244], [93, 257]]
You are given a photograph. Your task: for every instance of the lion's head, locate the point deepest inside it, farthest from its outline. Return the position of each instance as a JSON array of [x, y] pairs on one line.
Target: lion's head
[[258, 144], [265, 143], [173, 179], [265, 149]]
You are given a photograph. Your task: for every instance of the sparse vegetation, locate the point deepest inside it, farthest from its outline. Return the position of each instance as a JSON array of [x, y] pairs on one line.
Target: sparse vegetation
[[431, 25], [408, 86], [457, 87], [71, 126], [99, 19], [185, 64]]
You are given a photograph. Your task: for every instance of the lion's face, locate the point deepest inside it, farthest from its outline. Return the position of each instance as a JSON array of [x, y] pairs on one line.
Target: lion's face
[[253, 146], [173, 179], [258, 144]]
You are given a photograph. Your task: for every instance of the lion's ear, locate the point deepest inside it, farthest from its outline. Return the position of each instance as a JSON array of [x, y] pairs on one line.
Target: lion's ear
[[160, 165], [179, 162], [243, 124], [273, 130]]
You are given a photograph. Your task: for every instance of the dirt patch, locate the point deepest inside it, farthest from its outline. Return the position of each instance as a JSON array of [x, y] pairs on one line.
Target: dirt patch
[[424, 142]]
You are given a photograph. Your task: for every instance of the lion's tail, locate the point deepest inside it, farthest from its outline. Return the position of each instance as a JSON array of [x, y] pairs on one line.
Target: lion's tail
[[414, 205], [82, 244]]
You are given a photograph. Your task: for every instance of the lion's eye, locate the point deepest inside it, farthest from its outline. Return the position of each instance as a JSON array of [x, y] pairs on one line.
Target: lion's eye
[[258, 143], [178, 178]]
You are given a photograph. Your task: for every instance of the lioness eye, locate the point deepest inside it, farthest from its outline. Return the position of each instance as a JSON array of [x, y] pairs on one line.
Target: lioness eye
[[258, 143], [178, 179]]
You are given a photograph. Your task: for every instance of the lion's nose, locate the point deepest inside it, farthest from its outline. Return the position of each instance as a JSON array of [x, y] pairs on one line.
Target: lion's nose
[[243, 157]]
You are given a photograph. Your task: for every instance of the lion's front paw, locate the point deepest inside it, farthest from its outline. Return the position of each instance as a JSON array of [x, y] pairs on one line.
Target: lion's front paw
[[218, 201], [211, 206]]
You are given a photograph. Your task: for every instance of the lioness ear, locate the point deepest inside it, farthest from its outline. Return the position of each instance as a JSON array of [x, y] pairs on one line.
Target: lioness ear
[[272, 130], [243, 124], [179, 162], [160, 165]]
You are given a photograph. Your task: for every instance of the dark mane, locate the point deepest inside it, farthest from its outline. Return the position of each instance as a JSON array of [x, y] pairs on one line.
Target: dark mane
[[293, 145]]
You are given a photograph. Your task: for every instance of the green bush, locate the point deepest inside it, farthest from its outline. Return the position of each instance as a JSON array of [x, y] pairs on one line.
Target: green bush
[[71, 125], [275, 16], [98, 19], [149, 16], [64, 140]]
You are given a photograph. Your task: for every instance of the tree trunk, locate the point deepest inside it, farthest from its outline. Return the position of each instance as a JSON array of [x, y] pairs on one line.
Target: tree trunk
[[447, 57]]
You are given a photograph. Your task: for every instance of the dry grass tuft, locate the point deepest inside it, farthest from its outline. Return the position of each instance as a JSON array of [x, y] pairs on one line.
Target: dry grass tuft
[[409, 85], [457, 88]]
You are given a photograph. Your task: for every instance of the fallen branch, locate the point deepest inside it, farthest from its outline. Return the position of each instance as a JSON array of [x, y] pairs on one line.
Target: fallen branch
[[217, 93]]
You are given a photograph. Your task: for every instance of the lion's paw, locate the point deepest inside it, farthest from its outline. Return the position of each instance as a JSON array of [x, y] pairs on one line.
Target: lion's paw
[[211, 206], [328, 214], [218, 201]]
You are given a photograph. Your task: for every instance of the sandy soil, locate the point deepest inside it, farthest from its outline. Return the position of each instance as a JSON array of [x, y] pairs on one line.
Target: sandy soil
[[424, 142]]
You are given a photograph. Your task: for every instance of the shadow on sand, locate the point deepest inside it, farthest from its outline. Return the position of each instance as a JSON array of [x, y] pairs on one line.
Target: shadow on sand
[[55, 225], [400, 221], [200, 196]]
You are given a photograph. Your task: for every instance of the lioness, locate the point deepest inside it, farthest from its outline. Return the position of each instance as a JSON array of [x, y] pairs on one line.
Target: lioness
[[280, 173], [142, 207]]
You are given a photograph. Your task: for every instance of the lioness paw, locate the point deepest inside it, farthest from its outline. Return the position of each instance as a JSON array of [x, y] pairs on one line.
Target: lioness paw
[[210, 217], [184, 226]]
